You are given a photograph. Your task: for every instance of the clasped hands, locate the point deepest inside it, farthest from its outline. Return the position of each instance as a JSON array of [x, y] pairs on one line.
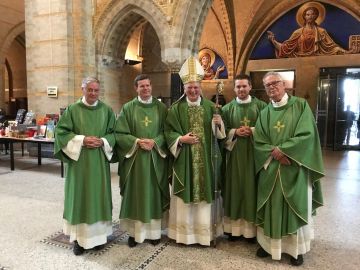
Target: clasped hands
[[146, 144], [92, 142], [279, 156], [192, 138], [243, 131], [189, 138]]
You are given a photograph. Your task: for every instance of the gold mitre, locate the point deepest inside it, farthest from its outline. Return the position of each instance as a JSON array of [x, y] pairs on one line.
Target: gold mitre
[[191, 71]]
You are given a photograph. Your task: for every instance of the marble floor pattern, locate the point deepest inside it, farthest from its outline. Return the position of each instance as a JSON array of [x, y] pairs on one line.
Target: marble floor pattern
[[31, 204]]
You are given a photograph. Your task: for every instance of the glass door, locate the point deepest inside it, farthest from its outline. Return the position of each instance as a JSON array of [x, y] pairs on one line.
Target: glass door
[[325, 115], [347, 108]]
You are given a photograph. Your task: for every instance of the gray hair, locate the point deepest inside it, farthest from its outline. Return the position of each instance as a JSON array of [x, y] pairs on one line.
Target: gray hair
[[273, 73], [88, 80]]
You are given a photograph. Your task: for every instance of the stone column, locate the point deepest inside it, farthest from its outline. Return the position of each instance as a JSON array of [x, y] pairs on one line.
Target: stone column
[[59, 51], [2, 92], [112, 86], [174, 58], [177, 87]]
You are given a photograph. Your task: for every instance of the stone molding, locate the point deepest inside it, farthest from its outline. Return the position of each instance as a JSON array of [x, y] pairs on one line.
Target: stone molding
[[10, 37], [179, 39]]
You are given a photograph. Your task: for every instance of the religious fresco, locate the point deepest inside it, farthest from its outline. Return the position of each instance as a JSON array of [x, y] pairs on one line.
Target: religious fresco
[[213, 65], [312, 29]]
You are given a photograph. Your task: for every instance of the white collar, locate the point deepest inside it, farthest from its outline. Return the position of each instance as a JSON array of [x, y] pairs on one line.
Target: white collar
[[282, 102], [247, 100], [83, 100], [194, 103], [149, 101]]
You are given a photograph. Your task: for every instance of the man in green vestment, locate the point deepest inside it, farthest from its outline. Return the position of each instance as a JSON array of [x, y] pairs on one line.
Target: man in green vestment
[[142, 152], [239, 187], [189, 133], [84, 140], [289, 164]]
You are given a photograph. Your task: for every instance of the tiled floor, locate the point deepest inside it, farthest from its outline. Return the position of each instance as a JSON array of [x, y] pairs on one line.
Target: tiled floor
[[31, 200]]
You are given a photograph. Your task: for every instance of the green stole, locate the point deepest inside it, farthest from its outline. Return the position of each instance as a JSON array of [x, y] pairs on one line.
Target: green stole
[[193, 169]]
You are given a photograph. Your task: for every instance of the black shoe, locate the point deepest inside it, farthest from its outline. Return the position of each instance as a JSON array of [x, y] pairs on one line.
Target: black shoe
[[251, 240], [99, 247], [155, 242], [232, 238], [297, 262], [77, 249], [262, 253], [131, 242]]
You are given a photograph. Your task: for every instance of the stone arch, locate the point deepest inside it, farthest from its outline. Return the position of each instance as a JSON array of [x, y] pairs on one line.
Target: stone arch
[[4, 48], [259, 27], [13, 33], [229, 35], [117, 22], [189, 20], [114, 27]]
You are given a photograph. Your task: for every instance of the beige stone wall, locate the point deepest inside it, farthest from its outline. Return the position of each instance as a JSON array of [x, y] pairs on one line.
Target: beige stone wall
[[213, 36], [11, 25], [60, 51], [307, 70], [16, 57], [47, 45], [70, 39]]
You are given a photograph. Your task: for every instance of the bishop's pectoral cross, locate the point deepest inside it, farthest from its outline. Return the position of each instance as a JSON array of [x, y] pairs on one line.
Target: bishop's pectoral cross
[[279, 126], [246, 121], [146, 121]]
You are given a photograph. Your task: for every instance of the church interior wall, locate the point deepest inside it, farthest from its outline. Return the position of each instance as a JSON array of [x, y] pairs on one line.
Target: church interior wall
[[65, 50], [16, 57], [213, 36], [152, 63], [247, 22]]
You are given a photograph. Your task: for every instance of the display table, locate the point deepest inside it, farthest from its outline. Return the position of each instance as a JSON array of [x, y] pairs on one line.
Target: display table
[[39, 142]]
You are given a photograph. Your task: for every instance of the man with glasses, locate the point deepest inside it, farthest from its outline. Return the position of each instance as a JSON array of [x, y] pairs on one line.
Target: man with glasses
[[239, 187], [84, 140], [289, 164]]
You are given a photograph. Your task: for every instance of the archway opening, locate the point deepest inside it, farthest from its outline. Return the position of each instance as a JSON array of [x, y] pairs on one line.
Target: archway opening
[[139, 51]]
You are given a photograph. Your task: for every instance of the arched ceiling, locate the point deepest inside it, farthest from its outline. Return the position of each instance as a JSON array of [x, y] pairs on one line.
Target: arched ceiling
[[12, 17]]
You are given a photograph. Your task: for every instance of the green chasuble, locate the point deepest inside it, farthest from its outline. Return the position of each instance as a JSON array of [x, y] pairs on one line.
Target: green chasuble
[[282, 203], [144, 182], [87, 184], [192, 170], [239, 186]]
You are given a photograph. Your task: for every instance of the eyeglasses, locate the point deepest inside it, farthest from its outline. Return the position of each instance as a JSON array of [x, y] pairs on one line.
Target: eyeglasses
[[91, 90], [274, 83]]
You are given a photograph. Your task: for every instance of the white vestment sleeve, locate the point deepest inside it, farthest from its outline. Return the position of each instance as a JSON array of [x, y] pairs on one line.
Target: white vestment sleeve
[[220, 130], [176, 147], [107, 149], [267, 162], [158, 149], [73, 147], [231, 140], [133, 149]]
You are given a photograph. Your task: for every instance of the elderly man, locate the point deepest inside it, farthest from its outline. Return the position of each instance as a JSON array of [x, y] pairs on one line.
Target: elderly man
[[239, 188], [142, 151], [84, 140], [188, 132], [289, 162]]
